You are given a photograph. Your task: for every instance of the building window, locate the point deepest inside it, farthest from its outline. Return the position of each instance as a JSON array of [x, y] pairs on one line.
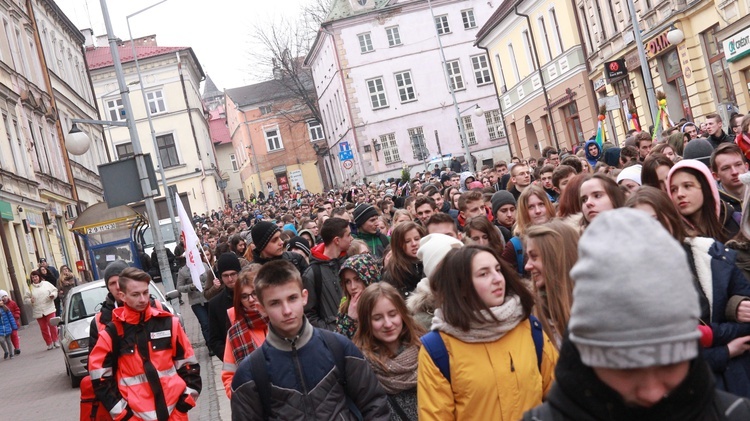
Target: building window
[[556, 31], [589, 43], [719, 69], [602, 32], [115, 110], [512, 54], [545, 37], [454, 75], [155, 101], [405, 87], [316, 130], [441, 23], [481, 67], [573, 123], [394, 38], [273, 139], [377, 93], [390, 148], [233, 159], [467, 16], [365, 43], [494, 124], [418, 146], [167, 150], [527, 49], [265, 109], [469, 129], [124, 150]]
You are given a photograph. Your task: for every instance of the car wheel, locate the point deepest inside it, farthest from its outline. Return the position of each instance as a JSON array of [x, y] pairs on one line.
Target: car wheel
[[75, 381]]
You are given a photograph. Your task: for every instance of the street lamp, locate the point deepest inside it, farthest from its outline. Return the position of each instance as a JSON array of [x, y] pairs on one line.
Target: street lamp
[[140, 159], [675, 35], [77, 142]]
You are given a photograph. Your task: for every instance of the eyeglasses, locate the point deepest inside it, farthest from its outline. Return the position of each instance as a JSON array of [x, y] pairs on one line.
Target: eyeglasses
[[246, 297]]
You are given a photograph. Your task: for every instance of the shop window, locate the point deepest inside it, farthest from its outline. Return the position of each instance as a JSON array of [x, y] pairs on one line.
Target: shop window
[[673, 73], [722, 81], [625, 92], [573, 124]]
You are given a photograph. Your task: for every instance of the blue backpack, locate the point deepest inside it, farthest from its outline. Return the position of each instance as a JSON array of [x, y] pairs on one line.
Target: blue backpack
[[518, 248], [435, 346]]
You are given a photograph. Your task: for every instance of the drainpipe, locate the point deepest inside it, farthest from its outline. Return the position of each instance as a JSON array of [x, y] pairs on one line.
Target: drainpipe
[[192, 128], [541, 77], [499, 104]]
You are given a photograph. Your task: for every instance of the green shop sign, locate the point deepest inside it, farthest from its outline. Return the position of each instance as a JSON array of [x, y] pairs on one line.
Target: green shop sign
[[6, 211]]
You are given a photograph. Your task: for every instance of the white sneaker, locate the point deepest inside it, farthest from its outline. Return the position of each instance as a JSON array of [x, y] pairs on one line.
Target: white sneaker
[[49, 347], [56, 344]]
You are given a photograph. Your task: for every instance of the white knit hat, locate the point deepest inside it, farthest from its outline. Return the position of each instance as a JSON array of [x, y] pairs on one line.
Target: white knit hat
[[631, 173], [3, 293], [433, 248]]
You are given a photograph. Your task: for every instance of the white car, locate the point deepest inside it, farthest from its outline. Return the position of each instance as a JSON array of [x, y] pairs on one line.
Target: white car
[[81, 305]]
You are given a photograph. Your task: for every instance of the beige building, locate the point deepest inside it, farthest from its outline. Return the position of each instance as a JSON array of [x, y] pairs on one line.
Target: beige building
[[171, 80]]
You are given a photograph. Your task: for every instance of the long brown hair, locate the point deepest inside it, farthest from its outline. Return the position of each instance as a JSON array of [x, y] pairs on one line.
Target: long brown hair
[[613, 191], [482, 224], [653, 161], [246, 277], [704, 222], [557, 242], [666, 213], [400, 265], [453, 286], [568, 203], [523, 221], [373, 348]]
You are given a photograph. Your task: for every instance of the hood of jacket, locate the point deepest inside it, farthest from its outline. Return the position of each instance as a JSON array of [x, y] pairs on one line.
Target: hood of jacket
[[462, 182], [592, 159], [701, 169], [365, 265], [317, 253]]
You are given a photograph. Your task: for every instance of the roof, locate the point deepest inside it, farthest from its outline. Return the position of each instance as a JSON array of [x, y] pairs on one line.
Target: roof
[[341, 9], [268, 91], [100, 57], [217, 126], [506, 7], [210, 90]]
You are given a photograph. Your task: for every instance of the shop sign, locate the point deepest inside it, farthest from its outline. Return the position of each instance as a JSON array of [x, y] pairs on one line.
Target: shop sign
[[737, 45], [6, 211], [35, 219], [615, 69], [296, 179], [599, 84], [657, 45]]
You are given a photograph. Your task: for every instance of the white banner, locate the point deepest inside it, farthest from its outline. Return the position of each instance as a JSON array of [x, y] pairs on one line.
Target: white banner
[[191, 242]]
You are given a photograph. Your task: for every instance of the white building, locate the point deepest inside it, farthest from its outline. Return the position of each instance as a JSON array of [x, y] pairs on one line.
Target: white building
[[380, 82], [171, 79]]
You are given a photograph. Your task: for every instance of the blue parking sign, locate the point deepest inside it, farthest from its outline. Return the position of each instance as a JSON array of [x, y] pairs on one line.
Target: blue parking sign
[[344, 155]]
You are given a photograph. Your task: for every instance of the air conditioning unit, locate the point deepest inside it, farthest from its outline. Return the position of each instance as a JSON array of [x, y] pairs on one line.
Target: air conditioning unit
[[71, 212]]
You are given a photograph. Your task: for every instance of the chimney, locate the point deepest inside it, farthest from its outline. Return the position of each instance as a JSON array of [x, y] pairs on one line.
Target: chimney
[[278, 74], [102, 41], [88, 34]]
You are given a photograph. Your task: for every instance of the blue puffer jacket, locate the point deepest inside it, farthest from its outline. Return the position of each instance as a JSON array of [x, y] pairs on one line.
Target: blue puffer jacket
[[7, 322], [724, 285]]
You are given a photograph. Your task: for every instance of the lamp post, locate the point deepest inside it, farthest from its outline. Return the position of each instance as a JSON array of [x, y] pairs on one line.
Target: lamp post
[[170, 204], [461, 127], [76, 138], [645, 69]]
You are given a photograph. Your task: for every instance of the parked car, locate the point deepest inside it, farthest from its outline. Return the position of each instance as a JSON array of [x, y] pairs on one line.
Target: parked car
[[81, 305]]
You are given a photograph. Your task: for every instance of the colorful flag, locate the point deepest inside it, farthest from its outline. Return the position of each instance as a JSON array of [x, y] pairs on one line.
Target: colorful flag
[[601, 135], [191, 242]]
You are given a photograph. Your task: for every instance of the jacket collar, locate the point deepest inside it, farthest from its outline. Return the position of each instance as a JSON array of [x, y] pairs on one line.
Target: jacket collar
[[130, 316], [285, 344]]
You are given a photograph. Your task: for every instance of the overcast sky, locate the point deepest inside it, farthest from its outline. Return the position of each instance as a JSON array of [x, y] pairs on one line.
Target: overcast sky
[[217, 30]]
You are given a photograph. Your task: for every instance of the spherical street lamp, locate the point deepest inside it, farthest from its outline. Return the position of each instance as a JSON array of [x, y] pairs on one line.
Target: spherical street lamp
[[77, 142], [675, 35], [478, 111]]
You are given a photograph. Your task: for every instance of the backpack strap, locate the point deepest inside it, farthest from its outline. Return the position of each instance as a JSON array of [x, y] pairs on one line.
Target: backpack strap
[[262, 381], [538, 336], [542, 412], [317, 280], [435, 347], [337, 350], [518, 247]]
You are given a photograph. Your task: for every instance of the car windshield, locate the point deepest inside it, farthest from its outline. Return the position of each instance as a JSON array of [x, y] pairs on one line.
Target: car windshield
[[167, 235], [87, 303]]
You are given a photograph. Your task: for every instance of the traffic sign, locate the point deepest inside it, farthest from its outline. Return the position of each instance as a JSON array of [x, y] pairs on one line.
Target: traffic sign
[[345, 155], [344, 146], [348, 164]]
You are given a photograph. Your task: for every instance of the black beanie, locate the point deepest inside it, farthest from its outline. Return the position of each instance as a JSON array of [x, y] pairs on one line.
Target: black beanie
[[262, 233], [114, 269], [299, 243], [226, 262], [363, 212], [500, 198]]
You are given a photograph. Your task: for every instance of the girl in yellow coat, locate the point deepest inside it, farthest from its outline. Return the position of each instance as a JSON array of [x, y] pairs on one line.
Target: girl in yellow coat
[[483, 318]]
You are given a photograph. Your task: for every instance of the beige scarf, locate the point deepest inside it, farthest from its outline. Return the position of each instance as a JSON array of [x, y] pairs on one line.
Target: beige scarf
[[509, 314], [400, 373]]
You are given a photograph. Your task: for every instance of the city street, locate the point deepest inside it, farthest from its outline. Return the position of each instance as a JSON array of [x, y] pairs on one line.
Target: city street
[[35, 386]]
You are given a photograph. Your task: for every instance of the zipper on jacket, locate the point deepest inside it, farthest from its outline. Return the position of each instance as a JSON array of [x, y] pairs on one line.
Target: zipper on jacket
[[301, 378]]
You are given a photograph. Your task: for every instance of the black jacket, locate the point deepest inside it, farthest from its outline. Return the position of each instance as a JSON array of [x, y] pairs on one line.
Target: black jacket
[[579, 395], [297, 260], [723, 137], [218, 321], [406, 286], [322, 310]]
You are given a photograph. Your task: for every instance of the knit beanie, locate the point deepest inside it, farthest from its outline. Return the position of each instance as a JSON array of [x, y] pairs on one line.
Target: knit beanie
[[114, 269], [3, 294], [612, 156], [299, 243], [699, 149], [632, 172], [433, 248], [631, 309], [474, 185], [227, 262], [365, 265], [363, 212], [501, 198], [262, 233]]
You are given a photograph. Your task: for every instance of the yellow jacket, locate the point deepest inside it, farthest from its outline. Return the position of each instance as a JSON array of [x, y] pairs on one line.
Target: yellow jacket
[[489, 381]]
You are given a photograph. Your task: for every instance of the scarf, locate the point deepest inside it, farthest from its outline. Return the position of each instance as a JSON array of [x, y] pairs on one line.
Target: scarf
[[400, 373], [509, 314], [247, 334]]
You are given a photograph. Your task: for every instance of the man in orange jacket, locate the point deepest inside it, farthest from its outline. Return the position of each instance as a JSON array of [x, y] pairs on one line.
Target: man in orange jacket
[[143, 366]]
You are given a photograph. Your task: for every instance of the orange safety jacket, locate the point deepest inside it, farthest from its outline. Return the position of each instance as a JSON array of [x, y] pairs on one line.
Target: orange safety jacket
[[143, 366]]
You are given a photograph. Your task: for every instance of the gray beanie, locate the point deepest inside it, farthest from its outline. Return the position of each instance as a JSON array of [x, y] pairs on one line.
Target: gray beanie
[[500, 198], [699, 149], [114, 269], [631, 309]]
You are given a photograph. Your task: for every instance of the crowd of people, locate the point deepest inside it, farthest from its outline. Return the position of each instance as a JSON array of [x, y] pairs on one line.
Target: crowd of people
[[602, 283]]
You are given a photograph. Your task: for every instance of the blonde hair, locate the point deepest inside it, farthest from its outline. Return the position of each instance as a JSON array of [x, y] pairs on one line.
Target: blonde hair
[[523, 222]]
